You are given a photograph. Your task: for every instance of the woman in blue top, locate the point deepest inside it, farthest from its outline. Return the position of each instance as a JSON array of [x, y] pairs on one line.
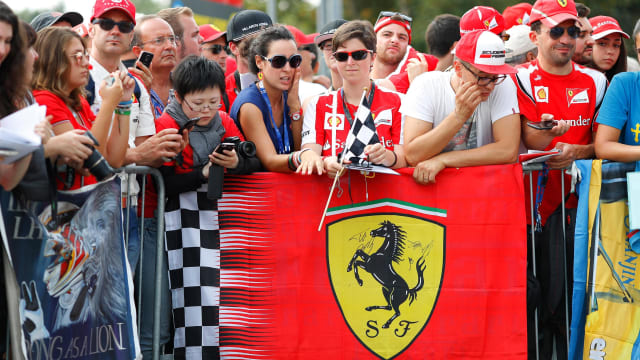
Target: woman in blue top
[[269, 111]]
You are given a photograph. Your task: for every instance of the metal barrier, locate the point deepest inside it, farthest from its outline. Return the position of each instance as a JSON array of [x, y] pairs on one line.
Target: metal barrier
[[528, 170]]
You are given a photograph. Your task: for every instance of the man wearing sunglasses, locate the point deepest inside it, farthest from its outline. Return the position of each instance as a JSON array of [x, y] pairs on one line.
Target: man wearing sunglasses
[[554, 87], [394, 52], [214, 47], [467, 116]]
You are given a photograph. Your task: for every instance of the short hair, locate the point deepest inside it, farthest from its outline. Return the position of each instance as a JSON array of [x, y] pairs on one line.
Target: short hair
[[536, 26], [583, 10], [521, 58], [260, 44], [137, 32], [443, 31], [636, 30], [52, 68], [197, 73], [355, 29], [172, 16], [12, 68]]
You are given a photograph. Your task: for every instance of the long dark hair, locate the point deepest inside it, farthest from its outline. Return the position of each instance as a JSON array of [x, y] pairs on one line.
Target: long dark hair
[[621, 63], [12, 70], [260, 45]]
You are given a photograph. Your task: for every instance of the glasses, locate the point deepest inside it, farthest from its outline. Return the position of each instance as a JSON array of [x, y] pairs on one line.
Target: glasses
[[79, 56], [159, 41], [217, 49], [204, 107], [125, 27], [404, 17], [279, 61], [484, 81], [556, 32], [326, 46], [357, 55]]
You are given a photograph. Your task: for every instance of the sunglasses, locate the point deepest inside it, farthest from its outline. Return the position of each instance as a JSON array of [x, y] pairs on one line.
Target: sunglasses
[[357, 55], [125, 27], [392, 14], [556, 32], [217, 49], [279, 61]]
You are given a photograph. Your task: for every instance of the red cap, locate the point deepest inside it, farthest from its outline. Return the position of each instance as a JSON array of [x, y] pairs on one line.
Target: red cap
[[82, 30], [485, 51], [301, 38], [553, 12], [482, 18], [211, 32], [102, 6], [604, 26], [518, 14], [387, 20]]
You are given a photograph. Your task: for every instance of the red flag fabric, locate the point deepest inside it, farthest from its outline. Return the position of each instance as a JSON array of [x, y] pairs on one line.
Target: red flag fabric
[[398, 270]]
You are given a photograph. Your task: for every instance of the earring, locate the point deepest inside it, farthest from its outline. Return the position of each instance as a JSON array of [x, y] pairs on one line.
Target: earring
[[260, 76]]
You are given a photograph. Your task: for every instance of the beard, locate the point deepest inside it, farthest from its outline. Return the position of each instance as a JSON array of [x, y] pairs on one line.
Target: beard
[[389, 59]]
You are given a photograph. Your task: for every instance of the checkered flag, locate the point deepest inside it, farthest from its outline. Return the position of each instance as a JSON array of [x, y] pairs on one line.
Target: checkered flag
[[363, 132]]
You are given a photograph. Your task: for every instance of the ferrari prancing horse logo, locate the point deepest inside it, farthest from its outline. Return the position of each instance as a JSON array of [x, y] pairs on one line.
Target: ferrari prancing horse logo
[[386, 271]]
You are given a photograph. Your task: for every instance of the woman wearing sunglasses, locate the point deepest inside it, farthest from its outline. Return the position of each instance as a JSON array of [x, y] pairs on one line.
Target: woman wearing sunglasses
[[268, 112], [354, 44], [60, 75], [609, 53]]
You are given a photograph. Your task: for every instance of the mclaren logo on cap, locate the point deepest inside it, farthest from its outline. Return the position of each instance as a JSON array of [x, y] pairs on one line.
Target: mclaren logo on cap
[[492, 54], [562, 3]]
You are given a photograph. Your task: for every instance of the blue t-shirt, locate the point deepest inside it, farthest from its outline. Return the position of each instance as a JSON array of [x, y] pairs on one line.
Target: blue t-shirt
[[252, 95], [621, 107]]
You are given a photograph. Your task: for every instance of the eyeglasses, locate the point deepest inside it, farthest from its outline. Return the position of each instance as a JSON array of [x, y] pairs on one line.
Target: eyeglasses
[[357, 55], [484, 81], [392, 14], [279, 61], [125, 27], [217, 49], [556, 32], [159, 41], [79, 56], [204, 107], [326, 46]]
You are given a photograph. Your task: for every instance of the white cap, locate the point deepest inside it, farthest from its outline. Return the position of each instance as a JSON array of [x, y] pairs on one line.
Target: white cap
[[519, 42]]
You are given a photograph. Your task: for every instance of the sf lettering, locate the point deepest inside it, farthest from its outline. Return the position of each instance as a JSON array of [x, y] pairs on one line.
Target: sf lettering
[[400, 331]]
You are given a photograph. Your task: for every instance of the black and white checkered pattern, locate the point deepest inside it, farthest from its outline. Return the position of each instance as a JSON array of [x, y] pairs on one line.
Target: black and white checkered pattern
[[363, 132], [192, 240]]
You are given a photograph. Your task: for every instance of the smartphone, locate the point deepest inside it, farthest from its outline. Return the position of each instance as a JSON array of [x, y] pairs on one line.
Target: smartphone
[[145, 58], [542, 125], [225, 146], [189, 125]]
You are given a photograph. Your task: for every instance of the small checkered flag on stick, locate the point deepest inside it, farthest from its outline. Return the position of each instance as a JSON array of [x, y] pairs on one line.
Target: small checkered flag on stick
[[363, 132]]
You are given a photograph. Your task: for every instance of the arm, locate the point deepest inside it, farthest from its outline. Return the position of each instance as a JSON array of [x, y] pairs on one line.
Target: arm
[[503, 150], [293, 102], [166, 143], [11, 174], [607, 145], [180, 183], [118, 141], [540, 139]]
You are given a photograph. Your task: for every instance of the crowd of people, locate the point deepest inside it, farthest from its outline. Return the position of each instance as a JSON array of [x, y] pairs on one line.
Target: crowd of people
[[492, 85]]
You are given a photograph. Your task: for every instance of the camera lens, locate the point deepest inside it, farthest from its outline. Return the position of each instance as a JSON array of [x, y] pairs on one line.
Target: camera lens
[[247, 148]]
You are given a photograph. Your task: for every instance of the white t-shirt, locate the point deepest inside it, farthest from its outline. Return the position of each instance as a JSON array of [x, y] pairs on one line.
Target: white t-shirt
[[431, 98], [308, 89]]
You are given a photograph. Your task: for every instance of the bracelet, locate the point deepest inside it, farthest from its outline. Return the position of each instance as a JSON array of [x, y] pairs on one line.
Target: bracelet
[[126, 112], [290, 161], [300, 155], [125, 103], [395, 159]]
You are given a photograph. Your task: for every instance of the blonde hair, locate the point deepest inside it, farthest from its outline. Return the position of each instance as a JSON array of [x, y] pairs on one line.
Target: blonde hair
[[52, 68]]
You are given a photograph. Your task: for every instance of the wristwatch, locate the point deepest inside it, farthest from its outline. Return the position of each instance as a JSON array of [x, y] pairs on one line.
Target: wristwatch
[[296, 115]]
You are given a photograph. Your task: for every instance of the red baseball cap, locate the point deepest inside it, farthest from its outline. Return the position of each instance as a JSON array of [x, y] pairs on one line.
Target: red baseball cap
[[211, 32], [553, 12], [102, 6], [518, 14], [485, 51], [386, 18], [482, 18], [604, 26], [301, 38]]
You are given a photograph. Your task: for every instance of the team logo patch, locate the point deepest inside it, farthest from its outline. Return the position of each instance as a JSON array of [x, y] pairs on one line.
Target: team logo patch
[[384, 117], [386, 270], [329, 120], [541, 93], [562, 3], [577, 96]]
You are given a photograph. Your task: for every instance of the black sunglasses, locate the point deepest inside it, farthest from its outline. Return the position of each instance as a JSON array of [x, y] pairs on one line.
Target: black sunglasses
[[217, 49], [392, 14], [279, 61], [556, 32], [108, 24], [357, 55]]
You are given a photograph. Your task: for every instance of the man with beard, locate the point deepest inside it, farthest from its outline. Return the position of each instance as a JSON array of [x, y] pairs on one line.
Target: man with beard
[[553, 87], [584, 41], [395, 59]]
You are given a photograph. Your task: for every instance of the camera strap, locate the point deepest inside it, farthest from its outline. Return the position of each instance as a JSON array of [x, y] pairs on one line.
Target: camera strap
[[53, 196]]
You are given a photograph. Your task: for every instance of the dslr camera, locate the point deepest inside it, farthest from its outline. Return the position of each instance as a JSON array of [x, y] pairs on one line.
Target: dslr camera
[[243, 148], [96, 163]]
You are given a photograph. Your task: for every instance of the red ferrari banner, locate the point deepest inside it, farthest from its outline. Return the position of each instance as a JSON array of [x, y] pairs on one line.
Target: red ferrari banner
[[399, 270]]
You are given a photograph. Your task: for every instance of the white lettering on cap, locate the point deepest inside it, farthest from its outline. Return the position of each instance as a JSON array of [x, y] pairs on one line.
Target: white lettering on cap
[[489, 50]]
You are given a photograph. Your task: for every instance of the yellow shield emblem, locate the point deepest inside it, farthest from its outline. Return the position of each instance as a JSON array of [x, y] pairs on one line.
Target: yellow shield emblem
[[386, 271], [562, 3]]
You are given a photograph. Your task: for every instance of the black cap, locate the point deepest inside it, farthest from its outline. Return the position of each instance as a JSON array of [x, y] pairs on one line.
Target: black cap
[[327, 31], [49, 18], [247, 22]]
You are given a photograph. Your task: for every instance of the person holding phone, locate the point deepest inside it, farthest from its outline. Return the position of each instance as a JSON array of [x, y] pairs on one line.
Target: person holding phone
[[468, 116]]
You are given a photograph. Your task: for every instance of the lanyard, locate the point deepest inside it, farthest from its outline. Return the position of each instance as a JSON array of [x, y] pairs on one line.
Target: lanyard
[[347, 113], [282, 147]]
